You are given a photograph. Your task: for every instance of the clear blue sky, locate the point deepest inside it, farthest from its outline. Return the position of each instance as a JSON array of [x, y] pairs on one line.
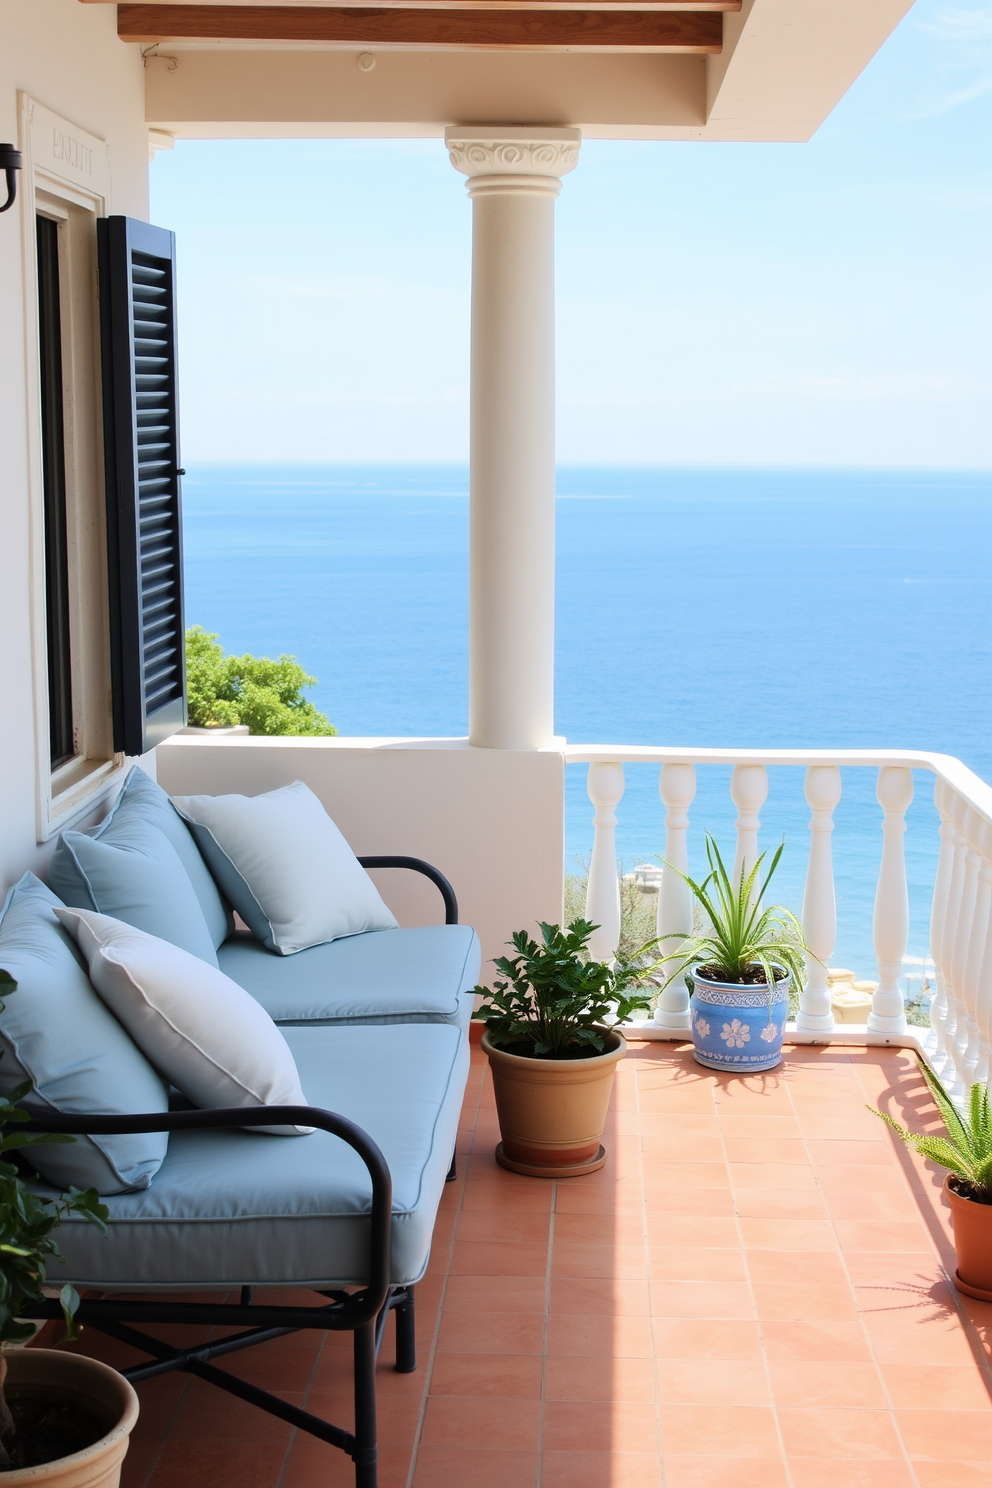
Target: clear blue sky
[[818, 304]]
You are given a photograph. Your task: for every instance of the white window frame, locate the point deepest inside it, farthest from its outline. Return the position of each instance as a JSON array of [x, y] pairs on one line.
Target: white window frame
[[66, 176]]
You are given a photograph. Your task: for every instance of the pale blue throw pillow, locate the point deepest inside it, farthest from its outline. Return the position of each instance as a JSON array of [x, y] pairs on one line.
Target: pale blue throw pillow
[[142, 866], [55, 1032]]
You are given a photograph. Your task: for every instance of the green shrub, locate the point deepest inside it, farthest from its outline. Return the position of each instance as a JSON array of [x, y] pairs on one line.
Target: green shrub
[[254, 690]]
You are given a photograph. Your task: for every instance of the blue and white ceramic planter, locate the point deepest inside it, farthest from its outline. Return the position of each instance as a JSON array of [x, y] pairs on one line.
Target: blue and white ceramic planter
[[732, 1026]]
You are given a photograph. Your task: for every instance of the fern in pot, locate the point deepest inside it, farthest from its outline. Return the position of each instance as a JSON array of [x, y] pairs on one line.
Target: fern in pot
[[64, 1419], [553, 1047], [740, 967]]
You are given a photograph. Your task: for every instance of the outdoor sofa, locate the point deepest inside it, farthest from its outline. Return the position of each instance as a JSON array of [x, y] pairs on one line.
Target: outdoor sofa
[[377, 1023]]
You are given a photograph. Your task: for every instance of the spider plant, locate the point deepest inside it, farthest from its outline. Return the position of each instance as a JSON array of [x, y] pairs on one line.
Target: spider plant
[[739, 935], [966, 1151]]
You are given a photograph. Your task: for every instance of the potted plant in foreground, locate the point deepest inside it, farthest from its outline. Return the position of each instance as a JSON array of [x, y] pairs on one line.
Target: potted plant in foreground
[[64, 1419], [741, 966], [966, 1152], [552, 1049]]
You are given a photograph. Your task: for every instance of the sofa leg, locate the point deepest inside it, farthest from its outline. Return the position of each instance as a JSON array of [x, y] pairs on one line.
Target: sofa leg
[[365, 1452], [406, 1334], [453, 1170]]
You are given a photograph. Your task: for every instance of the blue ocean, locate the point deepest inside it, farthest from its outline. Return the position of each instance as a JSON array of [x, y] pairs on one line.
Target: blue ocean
[[706, 608]]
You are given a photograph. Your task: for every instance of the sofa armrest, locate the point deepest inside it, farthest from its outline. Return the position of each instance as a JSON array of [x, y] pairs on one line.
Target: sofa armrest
[[417, 865], [363, 1306]]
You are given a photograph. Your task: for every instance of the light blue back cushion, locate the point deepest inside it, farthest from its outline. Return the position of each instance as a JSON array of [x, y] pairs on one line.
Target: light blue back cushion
[[142, 866], [55, 1032]]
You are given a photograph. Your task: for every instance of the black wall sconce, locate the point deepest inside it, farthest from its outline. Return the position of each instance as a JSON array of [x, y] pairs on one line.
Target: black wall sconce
[[10, 164]]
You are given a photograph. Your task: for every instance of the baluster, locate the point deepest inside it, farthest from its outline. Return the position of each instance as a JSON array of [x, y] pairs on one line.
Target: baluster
[[956, 808], [748, 791], [823, 788], [605, 787], [977, 940], [937, 1044], [677, 788], [890, 923], [959, 954], [983, 1012]]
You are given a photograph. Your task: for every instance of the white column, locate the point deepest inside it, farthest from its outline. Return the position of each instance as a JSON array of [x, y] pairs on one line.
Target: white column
[[605, 787], [677, 787], [890, 923], [975, 1054], [984, 1011], [965, 1030], [951, 1075], [513, 182], [823, 787], [748, 791]]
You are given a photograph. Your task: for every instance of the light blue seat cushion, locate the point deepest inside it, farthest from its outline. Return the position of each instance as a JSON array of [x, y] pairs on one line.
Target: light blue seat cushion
[[421, 975], [55, 1031], [230, 1208], [142, 866]]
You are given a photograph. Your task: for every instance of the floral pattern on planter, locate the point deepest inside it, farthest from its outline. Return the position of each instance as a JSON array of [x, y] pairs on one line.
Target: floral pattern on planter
[[733, 1027]]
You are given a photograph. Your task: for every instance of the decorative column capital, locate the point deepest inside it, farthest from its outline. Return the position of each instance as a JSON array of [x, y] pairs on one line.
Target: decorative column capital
[[501, 158]]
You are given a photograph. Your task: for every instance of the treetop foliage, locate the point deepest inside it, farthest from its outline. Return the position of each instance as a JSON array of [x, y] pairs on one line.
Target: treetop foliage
[[266, 695]]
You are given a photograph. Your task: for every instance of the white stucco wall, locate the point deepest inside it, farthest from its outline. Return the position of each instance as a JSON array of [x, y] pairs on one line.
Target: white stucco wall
[[66, 56], [491, 820]]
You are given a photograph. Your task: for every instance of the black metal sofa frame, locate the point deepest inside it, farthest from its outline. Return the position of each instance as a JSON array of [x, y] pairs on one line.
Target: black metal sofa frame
[[363, 1312]]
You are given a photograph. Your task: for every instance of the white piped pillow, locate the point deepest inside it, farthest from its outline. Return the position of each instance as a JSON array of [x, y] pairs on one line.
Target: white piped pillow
[[203, 1032], [285, 867]]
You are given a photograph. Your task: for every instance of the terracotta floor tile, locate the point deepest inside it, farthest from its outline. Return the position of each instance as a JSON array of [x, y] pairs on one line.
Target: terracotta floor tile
[[827, 1152], [932, 1433], [591, 1258], [832, 1431], [701, 1299], [528, 1226], [594, 1335], [680, 1176], [764, 1125], [727, 1430], [676, 1146], [781, 1151], [505, 1375], [600, 1296], [511, 1193], [917, 1334], [689, 1263], [587, 1469], [953, 1474], [829, 1301], [495, 1294], [601, 1229], [733, 1381], [712, 1203], [697, 1339], [799, 1382], [787, 1234], [571, 1426], [762, 1174], [768, 1267], [723, 1472], [570, 1378], [817, 1341], [771, 1203], [491, 1333], [481, 1421], [221, 1463], [853, 1177], [882, 1235], [458, 1467], [937, 1386], [701, 1231], [492, 1258], [848, 1472]]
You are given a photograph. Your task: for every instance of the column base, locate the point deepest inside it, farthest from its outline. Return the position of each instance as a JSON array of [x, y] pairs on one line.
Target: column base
[[678, 1021], [814, 1022], [879, 1024]]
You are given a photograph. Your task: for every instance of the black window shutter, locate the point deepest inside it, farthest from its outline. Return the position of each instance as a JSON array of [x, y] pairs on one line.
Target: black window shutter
[[144, 506]]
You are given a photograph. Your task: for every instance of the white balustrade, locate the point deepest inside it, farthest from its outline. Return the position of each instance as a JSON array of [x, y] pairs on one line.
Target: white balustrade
[[819, 918], [890, 923], [959, 1039], [677, 788], [605, 787], [983, 1010], [937, 1044], [748, 791], [977, 939]]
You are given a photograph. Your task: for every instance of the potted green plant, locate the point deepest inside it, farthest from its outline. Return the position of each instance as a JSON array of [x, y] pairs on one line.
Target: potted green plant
[[966, 1153], [64, 1420], [553, 1049], [741, 966]]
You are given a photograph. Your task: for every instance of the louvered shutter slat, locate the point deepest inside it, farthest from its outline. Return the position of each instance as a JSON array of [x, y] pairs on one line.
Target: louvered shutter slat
[[144, 517]]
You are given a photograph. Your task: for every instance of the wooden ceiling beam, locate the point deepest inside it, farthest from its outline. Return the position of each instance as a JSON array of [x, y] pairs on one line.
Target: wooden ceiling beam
[[517, 29]]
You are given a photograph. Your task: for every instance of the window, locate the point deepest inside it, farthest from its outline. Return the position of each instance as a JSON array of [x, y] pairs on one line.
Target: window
[[60, 720]]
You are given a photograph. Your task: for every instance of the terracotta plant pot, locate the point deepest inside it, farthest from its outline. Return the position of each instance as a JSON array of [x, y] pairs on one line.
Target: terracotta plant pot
[[552, 1111], [102, 1390], [972, 1224]]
